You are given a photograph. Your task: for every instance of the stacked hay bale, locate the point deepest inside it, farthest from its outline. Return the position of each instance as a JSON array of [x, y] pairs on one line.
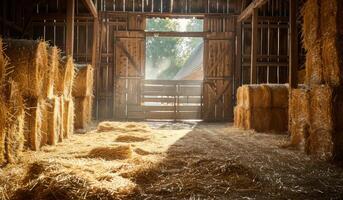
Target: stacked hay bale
[[83, 93], [263, 107], [3, 108], [64, 88], [315, 111], [51, 110], [12, 112], [37, 74], [29, 66]]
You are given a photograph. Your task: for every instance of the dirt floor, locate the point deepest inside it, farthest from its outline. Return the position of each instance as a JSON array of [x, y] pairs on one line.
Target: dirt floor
[[171, 161]]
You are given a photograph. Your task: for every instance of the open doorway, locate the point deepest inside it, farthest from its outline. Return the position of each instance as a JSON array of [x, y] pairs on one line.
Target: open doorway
[[174, 58], [173, 69]]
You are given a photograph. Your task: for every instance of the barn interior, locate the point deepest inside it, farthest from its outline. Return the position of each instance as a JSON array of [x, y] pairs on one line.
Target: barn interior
[[171, 99]]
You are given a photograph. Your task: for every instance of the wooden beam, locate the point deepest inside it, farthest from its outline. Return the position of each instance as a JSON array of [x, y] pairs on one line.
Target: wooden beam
[[91, 7], [70, 27], [253, 70], [250, 9], [293, 45], [174, 34]]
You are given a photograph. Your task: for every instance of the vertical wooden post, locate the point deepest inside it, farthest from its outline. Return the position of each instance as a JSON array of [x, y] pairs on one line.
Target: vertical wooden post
[[293, 45], [70, 27], [253, 70], [95, 41], [238, 68]]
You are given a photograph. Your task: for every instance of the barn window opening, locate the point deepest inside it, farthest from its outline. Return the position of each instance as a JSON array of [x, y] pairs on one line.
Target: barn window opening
[[174, 58]]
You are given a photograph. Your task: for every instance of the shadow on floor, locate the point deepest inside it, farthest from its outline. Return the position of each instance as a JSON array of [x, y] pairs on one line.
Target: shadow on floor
[[217, 161]]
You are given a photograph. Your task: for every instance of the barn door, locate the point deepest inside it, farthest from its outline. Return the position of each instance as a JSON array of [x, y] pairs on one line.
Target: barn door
[[129, 63], [218, 69]]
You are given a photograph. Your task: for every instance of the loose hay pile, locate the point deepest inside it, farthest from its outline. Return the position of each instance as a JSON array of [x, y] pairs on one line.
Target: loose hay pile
[[123, 127], [132, 138], [52, 179], [111, 153], [262, 108]]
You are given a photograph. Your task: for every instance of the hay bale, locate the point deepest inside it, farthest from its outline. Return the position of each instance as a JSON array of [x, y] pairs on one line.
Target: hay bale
[[3, 62], [65, 77], [3, 114], [240, 97], [53, 120], [311, 24], [239, 117], [14, 125], [279, 120], [120, 152], [33, 123], [332, 62], [256, 96], [83, 85], [258, 119], [28, 65], [68, 123], [320, 140], [331, 13], [52, 72], [301, 76], [299, 113], [83, 116], [279, 95], [61, 116], [314, 67]]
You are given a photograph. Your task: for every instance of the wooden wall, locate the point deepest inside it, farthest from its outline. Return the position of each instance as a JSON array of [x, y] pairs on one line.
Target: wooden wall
[[272, 47], [227, 54]]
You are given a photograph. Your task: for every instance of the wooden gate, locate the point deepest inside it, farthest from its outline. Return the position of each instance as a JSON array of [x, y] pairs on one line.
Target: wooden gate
[[129, 56], [218, 68], [172, 99]]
